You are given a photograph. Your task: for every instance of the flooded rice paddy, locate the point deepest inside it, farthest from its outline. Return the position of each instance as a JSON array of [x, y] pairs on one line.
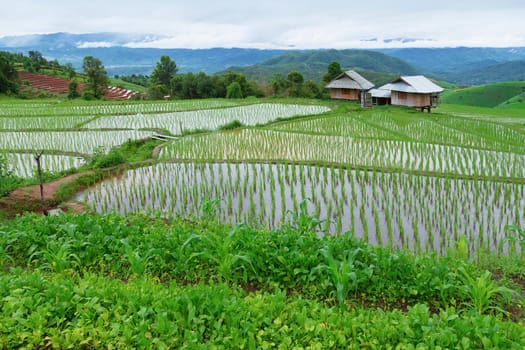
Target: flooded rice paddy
[[390, 209]]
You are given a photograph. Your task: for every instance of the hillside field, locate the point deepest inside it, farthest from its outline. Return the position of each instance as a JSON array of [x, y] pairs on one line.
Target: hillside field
[[504, 95]]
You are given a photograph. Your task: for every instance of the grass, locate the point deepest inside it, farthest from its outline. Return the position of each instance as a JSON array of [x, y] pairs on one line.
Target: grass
[[496, 114], [491, 95]]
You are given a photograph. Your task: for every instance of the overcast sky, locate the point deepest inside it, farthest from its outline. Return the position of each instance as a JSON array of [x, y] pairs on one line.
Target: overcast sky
[[278, 23]]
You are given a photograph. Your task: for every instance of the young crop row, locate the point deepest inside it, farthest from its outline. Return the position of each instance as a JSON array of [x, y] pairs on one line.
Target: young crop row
[[339, 125], [24, 164], [389, 209], [35, 123], [453, 131], [60, 311], [82, 142], [251, 144], [292, 259], [108, 108], [206, 118], [492, 131]]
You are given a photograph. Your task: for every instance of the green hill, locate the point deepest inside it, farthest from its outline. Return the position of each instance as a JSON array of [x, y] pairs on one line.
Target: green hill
[[507, 71], [492, 95], [377, 67]]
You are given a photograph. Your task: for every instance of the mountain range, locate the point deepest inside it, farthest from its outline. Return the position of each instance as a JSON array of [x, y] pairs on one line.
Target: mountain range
[[122, 55]]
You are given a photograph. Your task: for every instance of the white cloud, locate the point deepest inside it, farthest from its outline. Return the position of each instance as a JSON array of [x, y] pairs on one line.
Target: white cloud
[[273, 23], [94, 44]]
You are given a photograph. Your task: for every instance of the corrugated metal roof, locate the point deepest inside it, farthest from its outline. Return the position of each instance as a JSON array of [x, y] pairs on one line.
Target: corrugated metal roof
[[350, 80], [417, 84], [381, 93]]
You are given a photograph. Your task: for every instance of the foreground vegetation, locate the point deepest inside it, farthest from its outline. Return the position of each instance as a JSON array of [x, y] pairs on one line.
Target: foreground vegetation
[[100, 281]]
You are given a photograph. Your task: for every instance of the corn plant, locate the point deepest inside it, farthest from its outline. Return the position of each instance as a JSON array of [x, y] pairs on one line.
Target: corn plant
[[481, 291], [345, 274], [221, 252], [302, 221]]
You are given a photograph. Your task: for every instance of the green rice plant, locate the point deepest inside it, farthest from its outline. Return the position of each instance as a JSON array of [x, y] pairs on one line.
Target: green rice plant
[[518, 237], [78, 142], [206, 119]]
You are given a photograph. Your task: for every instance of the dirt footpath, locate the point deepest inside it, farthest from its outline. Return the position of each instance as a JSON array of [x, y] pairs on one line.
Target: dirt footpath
[[28, 198]]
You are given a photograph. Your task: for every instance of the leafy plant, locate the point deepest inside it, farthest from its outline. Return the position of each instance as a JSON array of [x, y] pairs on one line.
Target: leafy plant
[[8, 181], [519, 235], [221, 252], [302, 221], [345, 274], [481, 291]]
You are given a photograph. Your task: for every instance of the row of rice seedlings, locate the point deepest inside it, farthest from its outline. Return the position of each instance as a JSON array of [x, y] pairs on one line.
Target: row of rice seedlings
[[496, 133], [24, 165], [84, 142], [390, 209], [416, 127], [206, 118], [109, 108], [340, 125], [446, 131], [25, 123], [253, 144]]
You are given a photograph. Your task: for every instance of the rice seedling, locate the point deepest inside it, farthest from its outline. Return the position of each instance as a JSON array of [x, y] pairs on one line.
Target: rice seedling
[[263, 194], [208, 119], [80, 142], [253, 145], [107, 108], [23, 164]]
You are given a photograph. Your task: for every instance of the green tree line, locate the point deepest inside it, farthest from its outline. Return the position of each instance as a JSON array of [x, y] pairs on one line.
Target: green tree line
[[164, 82]]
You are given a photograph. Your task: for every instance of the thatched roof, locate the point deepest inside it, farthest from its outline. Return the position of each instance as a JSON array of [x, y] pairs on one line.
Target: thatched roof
[[350, 80]]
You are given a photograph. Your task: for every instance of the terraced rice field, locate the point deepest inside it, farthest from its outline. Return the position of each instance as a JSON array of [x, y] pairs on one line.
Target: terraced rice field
[[391, 209], [24, 165], [254, 145], [175, 123], [393, 177], [82, 142], [67, 131]]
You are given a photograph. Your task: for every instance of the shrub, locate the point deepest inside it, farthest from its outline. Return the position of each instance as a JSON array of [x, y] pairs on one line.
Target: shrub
[[234, 124]]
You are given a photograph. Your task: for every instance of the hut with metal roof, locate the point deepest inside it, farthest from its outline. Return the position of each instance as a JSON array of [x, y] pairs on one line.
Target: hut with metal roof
[[349, 85], [411, 91]]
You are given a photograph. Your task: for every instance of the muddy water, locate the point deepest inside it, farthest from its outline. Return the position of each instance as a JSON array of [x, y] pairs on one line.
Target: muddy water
[[390, 209]]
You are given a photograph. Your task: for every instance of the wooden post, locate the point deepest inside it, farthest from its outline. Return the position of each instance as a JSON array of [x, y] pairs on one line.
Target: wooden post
[[38, 155]]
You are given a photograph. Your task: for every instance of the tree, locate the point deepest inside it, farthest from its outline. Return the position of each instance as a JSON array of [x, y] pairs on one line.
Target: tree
[[234, 90], [295, 77], [310, 90], [9, 82], [296, 81], [163, 73], [334, 69], [70, 71], [72, 87], [37, 60], [97, 77], [279, 84]]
